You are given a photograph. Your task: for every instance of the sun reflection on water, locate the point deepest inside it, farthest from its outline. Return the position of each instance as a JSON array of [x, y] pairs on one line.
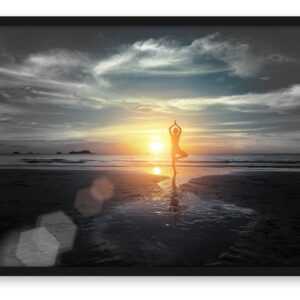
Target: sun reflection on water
[[156, 170]]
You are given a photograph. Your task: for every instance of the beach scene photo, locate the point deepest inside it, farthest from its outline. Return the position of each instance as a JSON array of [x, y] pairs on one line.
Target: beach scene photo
[[149, 146]]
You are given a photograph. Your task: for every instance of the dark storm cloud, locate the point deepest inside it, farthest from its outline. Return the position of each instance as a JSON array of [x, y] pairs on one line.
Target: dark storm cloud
[[62, 83]]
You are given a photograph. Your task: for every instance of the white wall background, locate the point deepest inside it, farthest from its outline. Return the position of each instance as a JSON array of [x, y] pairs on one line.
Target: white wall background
[[154, 288], [150, 288], [150, 7]]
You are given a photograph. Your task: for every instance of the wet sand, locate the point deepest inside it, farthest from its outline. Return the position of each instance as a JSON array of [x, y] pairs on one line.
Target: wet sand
[[128, 219], [273, 238]]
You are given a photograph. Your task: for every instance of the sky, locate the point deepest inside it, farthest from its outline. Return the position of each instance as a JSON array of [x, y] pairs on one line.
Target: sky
[[113, 90]]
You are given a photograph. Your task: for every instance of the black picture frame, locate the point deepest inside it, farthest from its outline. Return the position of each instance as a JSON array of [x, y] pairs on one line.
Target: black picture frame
[[149, 21]]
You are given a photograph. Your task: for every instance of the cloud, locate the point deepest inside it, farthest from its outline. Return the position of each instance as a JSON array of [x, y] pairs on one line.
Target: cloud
[[62, 94], [8, 110], [58, 57], [205, 55], [72, 78], [57, 69], [57, 77], [58, 63], [20, 77], [281, 101]]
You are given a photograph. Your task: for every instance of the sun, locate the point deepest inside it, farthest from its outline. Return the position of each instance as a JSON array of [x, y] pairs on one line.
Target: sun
[[156, 147]]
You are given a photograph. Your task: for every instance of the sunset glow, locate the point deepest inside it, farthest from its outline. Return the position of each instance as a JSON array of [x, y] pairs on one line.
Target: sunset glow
[[120, 98], [156, 147], [156, 171]]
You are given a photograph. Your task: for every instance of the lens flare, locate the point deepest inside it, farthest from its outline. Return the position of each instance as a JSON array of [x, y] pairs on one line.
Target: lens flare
[[89, 201]]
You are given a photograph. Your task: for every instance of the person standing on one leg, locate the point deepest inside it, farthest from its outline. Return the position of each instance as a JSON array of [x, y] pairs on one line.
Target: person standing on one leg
[[175, 132]]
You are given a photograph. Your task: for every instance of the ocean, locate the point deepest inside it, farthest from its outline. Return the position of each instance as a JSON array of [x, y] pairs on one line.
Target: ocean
[[91, 161]]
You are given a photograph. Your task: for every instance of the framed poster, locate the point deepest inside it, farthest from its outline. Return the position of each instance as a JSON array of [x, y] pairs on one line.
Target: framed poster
[[149, 146]]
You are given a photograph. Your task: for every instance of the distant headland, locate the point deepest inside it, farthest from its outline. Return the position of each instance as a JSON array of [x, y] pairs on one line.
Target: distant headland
[[81, 152], [57, 153]]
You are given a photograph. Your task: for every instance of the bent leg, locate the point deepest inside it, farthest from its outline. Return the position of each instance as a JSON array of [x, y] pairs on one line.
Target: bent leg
[[181, 153]]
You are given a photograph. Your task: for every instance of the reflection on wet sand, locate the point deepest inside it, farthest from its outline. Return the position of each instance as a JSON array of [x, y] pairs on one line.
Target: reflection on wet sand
[[156, 171], [174, 196], [174, 207], [117, 218]]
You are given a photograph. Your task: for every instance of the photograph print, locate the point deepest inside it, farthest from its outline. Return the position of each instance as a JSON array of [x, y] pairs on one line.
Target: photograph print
[[149, 147]]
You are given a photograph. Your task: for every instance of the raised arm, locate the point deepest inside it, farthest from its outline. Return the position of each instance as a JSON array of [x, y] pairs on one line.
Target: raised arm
[[171, 127], [180, 129]]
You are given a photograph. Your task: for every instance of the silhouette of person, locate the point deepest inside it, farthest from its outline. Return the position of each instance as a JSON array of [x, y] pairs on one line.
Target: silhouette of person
[[175, 132], [174, 203]]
